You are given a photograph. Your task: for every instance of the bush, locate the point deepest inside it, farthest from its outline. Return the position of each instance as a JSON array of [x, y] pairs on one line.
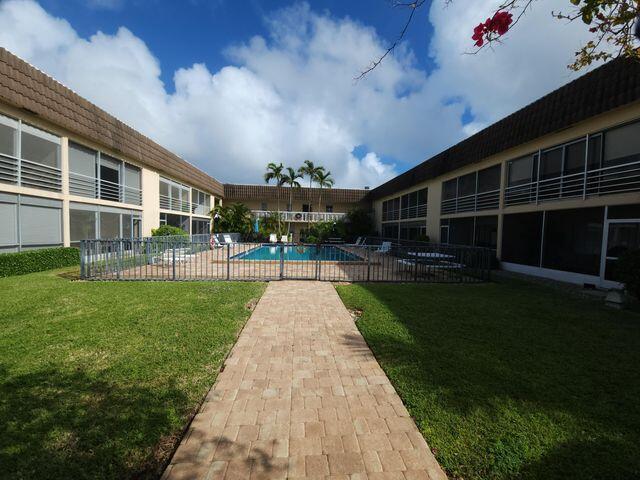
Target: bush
[[37, 260], [628, 270], [167, 231]]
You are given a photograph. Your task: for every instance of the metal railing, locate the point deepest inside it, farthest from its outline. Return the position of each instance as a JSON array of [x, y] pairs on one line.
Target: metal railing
[[301, 216], [415, 211], [471, 203], [193, 258], [87, 186], [29, 174], [602, 181], [175, 204]]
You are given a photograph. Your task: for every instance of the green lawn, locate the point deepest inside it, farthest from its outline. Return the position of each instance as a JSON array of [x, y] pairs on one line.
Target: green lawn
[[97, 380], [511, 380]]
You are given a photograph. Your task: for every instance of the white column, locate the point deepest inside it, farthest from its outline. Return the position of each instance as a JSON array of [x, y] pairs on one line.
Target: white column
[[150, 201]]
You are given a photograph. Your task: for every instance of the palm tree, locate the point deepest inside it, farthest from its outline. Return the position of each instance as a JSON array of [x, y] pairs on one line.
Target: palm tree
[[324, 180], [274, 172], [308, 169], [290, 178]]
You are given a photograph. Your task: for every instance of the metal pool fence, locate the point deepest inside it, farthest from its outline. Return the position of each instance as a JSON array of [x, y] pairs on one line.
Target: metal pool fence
[[189, 258]]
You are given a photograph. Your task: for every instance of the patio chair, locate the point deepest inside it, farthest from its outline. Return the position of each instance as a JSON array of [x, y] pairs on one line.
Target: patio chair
[[284, 239], [227, 239], [358, 240], [273, 238], [384, 248]]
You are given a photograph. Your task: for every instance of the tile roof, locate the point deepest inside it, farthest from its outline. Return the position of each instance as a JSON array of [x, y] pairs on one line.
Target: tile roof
[[270, 192], [612, 85], [24, 86]]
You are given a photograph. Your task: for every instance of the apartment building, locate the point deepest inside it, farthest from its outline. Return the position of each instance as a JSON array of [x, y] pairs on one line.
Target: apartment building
[[70, 171], [297, 206], [554, 188]]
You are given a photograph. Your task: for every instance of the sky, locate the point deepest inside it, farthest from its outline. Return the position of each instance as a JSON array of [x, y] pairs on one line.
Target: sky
[[233, 85]]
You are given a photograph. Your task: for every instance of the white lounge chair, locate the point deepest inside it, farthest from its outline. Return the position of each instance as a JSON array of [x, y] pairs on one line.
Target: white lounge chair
[[384, 248], [284, 239], [358, 240], [273, 238], [227, 239]]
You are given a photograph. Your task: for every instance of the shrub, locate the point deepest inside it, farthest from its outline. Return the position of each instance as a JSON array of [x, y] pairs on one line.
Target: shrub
[[37, 260], [628, 270], [167, 231]]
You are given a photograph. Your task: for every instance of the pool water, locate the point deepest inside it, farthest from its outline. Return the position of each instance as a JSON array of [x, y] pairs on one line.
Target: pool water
[[324, 253]]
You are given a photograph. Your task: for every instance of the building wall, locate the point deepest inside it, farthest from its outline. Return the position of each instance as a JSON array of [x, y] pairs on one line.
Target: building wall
[[148, 210], [620, 116]]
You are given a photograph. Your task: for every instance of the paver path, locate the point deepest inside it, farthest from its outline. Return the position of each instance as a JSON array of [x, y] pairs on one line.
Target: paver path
[[302, 396]]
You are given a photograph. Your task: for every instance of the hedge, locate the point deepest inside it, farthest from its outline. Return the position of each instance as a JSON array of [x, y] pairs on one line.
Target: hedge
[[37, 260]]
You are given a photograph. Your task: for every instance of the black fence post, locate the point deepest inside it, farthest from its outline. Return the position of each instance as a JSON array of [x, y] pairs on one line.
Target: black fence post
[[173, 262], [83, 252], [228, 262], [368, 264], [281, 248]]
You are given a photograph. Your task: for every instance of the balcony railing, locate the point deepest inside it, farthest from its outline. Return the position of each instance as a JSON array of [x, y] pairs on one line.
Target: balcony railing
[[603, 181], [302, 216], [86, 186], [175, 204], [29, 174], [415, 211], [471, 203]]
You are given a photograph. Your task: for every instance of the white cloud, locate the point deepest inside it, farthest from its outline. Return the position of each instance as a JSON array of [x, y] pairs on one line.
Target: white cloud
[[105, 4], [291, 96]]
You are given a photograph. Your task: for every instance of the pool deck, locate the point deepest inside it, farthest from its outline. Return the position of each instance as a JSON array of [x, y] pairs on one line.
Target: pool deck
[[302, 396]]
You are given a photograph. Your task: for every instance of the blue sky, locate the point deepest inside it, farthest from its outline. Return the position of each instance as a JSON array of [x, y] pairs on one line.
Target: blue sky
[[190, 31], [233, 85]]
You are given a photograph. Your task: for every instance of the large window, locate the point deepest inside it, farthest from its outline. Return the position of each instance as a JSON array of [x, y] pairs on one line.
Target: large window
[[29, 222], [408, 206], [88, 222], [132, 185], [110, 178], [522, 171], [472, 192], [413, 230], [486, 232], [174, 196], [200, 202], [180, 221], [470, 231], [82, 171], [622, 145], [200, 227], [573, 240], [40, 147], [521, 238]]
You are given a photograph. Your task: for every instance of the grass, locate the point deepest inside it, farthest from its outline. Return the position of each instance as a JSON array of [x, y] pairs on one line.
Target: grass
[[510, 380], [97, 380]]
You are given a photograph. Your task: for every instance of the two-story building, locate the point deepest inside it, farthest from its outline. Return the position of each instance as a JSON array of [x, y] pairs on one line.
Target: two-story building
[[297, 206], [554, 188], [70, 171]]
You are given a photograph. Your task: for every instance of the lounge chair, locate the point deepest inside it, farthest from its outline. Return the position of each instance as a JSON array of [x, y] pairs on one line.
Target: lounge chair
[[214, 242], [284, 239], [384, 248], [273, 238], [358, 240], [227, 239]]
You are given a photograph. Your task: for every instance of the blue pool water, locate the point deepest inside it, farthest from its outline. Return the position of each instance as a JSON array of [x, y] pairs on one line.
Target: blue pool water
[[325, 253]]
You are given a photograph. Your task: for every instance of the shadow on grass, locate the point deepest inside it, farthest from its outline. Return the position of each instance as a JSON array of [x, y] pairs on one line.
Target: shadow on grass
[[512, 380], [74, 425]]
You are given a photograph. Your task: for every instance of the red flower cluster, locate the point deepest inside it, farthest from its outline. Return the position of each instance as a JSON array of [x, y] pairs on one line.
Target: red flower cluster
[[498, 24]]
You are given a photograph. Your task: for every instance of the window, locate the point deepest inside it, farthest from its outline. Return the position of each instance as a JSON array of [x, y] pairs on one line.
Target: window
[[82, 171], [305, 207], [573, 240], [574, 157], [551, 165], [8, 136], [450, 189], [486, 232], [521, 237], [467, 185], [40, 147], [9, 222], [461, 231], [329, 208], [522, 170], [200, 227], [622, 145], [109, 178], [174, 196], [132, 185], [412, 230], [200, 202], [390, 231], [595, 152], [82, 224], [40, 222], [489, 179], [180, 221], [109, 225]]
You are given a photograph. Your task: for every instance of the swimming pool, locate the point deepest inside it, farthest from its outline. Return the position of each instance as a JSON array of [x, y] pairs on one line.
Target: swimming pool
[[324, 253]]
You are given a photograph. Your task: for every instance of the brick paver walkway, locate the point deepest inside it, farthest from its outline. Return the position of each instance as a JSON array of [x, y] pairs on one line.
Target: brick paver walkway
[[302, 396]]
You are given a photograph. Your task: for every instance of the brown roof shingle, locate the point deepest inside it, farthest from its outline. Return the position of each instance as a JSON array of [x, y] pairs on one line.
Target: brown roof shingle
[[24, 86], [234, 191], [612, 85]]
